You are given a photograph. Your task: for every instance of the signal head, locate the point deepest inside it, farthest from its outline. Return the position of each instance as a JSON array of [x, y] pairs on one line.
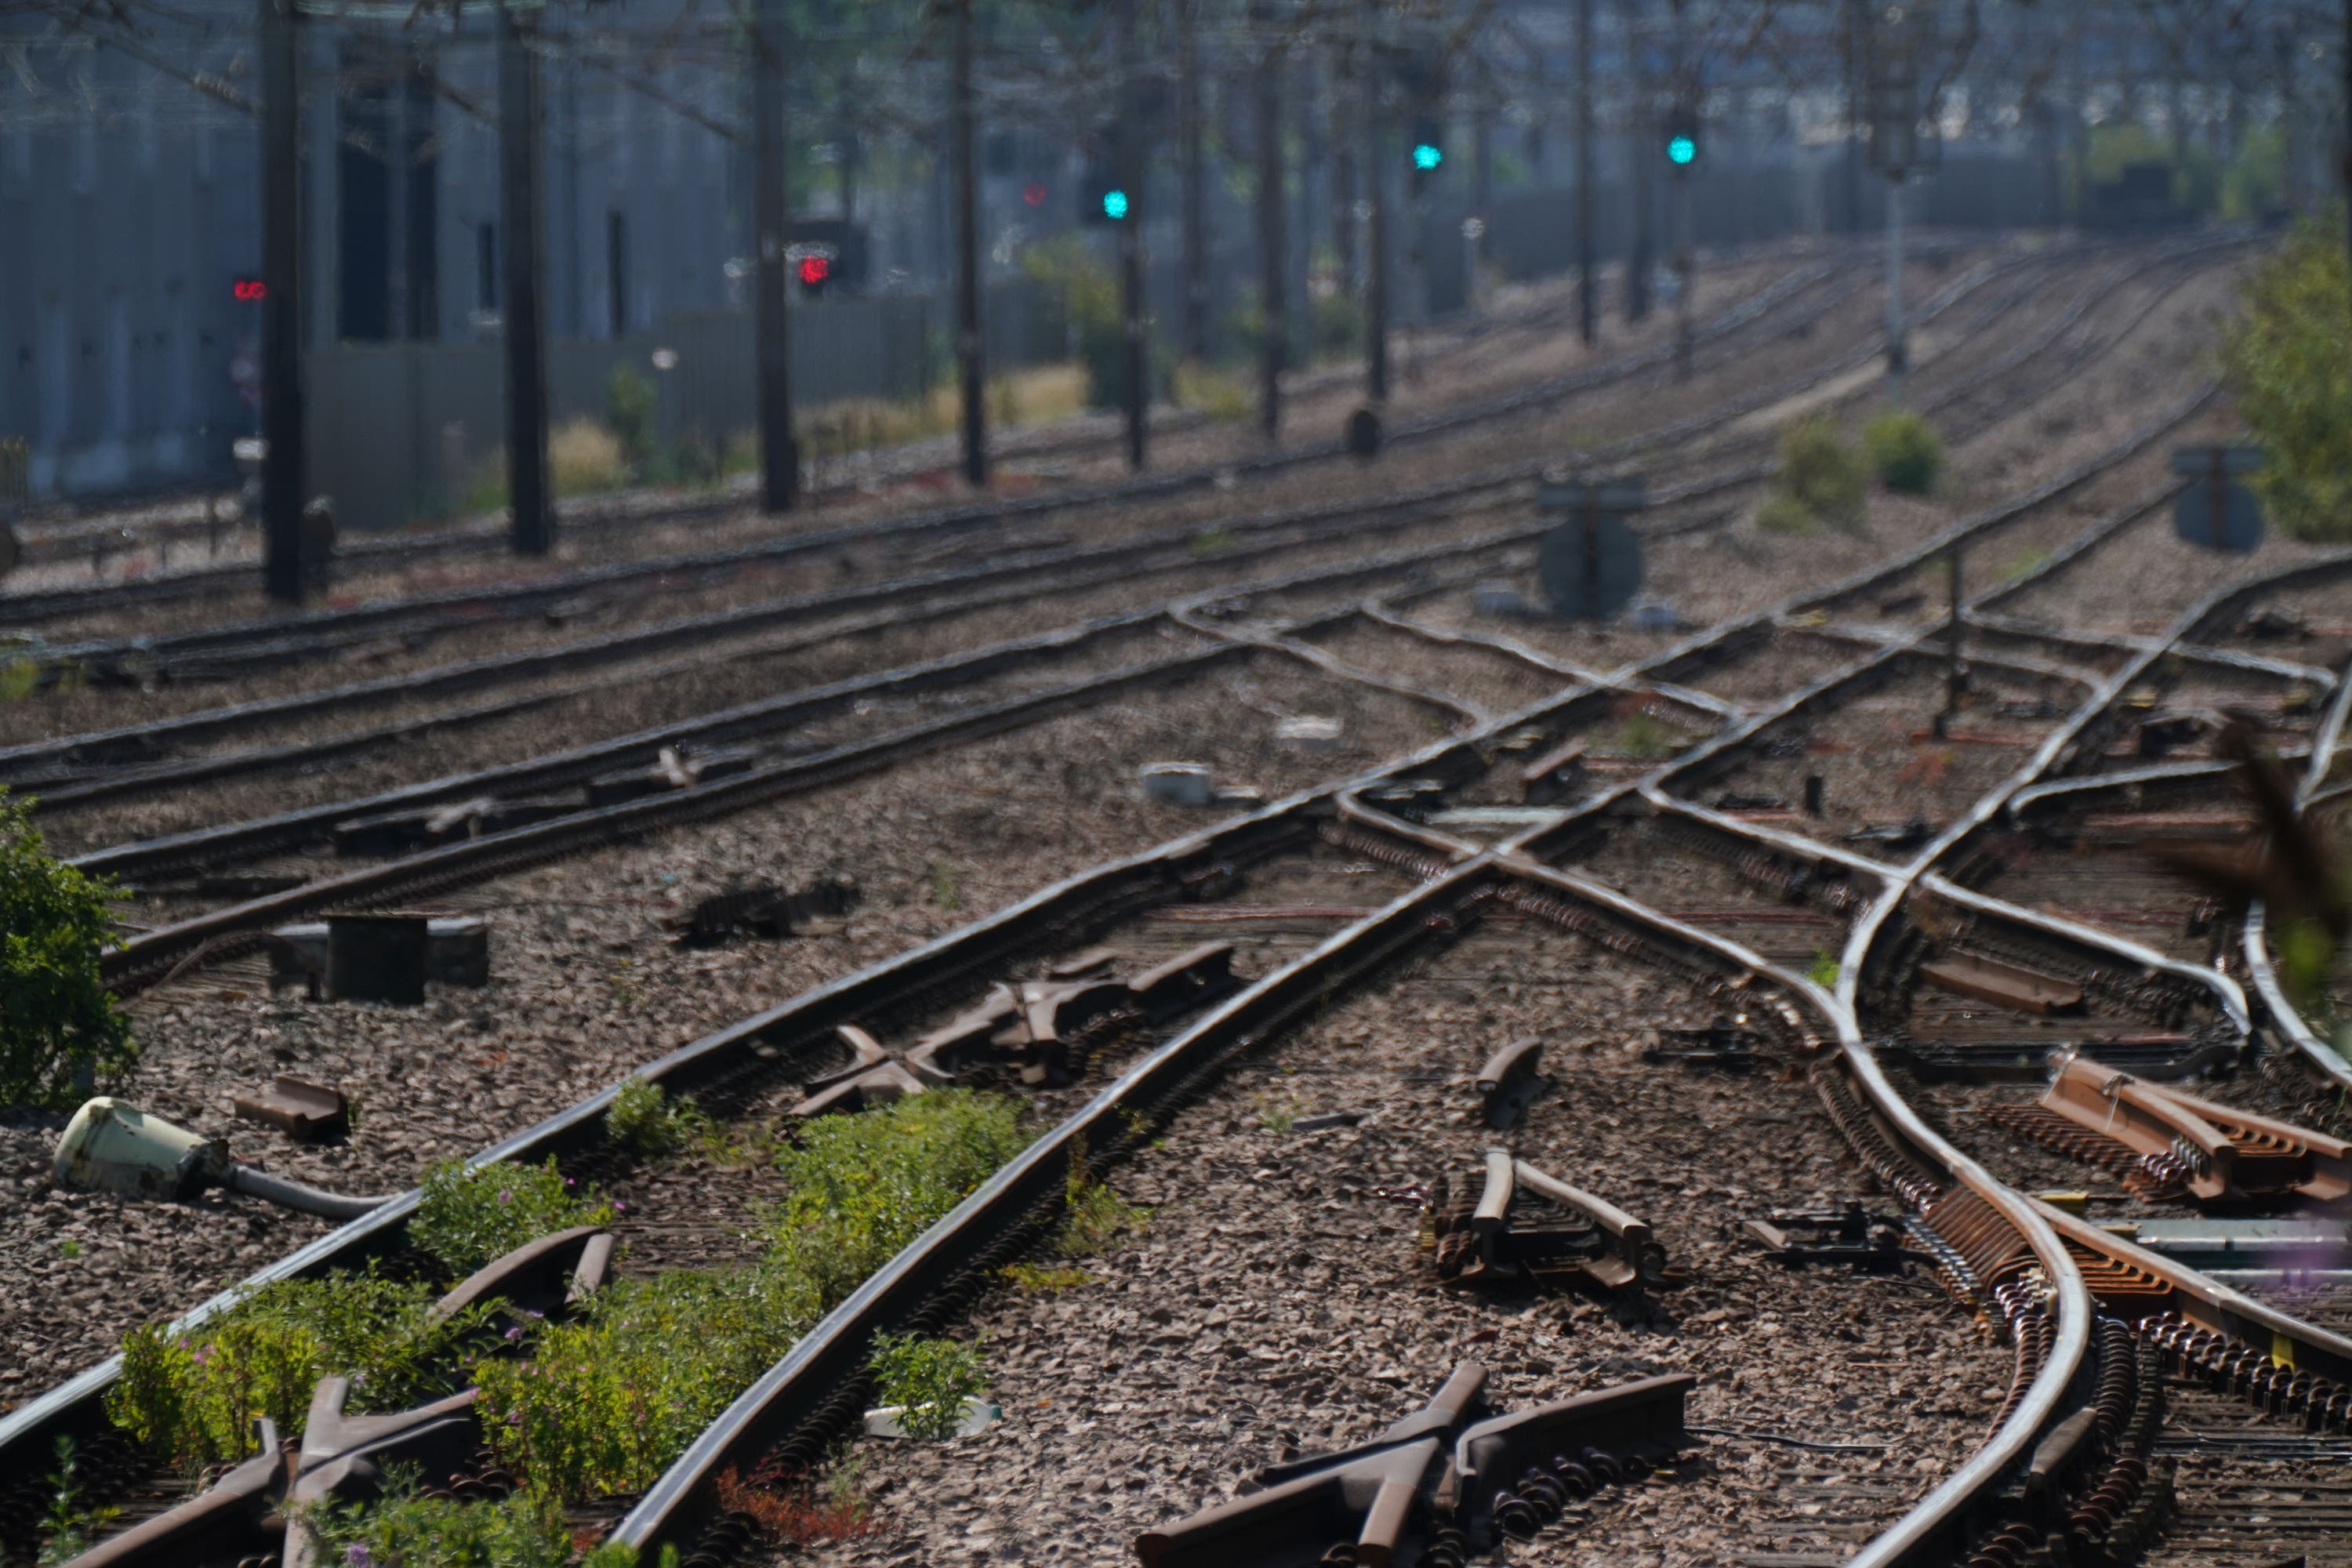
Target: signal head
[[1682, 150], [1114, 203], [1427, 155]]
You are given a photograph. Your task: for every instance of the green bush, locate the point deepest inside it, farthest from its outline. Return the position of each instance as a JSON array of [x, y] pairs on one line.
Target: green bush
[[1786, 514], [2288, 359], [1338, 325], [607, 1399], [864, 1186], [468, 1218], [194, 1396], [59, 1031], [401, 1530], [630, 404], [646, 1119], [1905, 450], [1822, 474], [930, 1379], [2254, 183], [1097, 312]]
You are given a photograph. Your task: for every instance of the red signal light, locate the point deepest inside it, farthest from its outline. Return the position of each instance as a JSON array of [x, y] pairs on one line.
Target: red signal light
[[250, 289], [1034, 195], [815, 269]]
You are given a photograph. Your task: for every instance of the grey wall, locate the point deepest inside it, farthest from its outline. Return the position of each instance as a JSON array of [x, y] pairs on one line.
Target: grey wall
[[380, 413]]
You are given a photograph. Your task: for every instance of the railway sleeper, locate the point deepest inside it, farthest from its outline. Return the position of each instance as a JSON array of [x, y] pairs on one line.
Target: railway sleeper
[[1525, 1226], [1449, 1482]]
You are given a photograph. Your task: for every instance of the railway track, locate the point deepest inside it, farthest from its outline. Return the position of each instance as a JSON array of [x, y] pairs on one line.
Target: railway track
[[41, 607], [1392, 883], [103, 765], [1455, 877]]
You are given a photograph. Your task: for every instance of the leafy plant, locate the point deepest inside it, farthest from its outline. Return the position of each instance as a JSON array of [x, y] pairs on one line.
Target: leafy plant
[[1038, 1280], [1823, 969], [863, 1186], [930, 1379], [70, 1527], [468, 1216], [1905, 450], [59, 1030], [608, 1399], [1645, 736], [68, 1249], [2288, 359], [1786, 514], [195, 1396], [947, 886], [1820, 474], [646, 1119], [403, 1530], [630, 402], [19, 677], [1094, 1217]]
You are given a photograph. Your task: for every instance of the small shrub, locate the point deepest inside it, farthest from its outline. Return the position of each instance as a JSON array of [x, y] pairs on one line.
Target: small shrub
[[1786, 514], [403, 1530], [2288, 359], [1824, 971], [1278, 1117], [194, 1397], [1905, 450], [1038, 1280], [646, 1119], [583, 458], [19, 677], [61, 1034], [1646, 737], [863, 1186], [947, 886], [930, 1378], [70, 1527], [1226, 396], [468, 1218], [1822, 474], [1094, 1217], [1339, 326], [630, 400], [608, 1399]]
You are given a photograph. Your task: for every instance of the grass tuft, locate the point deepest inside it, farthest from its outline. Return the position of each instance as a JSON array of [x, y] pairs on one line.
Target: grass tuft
[[468, 1216]]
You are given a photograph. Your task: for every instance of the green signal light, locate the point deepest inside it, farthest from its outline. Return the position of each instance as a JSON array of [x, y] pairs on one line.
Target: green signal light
[[1682, 150], [1114, 203], [1427, 155]]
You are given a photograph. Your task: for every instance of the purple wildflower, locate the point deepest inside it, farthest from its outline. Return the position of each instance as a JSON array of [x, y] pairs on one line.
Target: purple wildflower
[[506, 1197], [515, 1332]]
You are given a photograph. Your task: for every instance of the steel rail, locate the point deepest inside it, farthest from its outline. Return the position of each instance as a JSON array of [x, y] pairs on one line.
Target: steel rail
[[1435, 753], [73, 1405], [1336, 516]]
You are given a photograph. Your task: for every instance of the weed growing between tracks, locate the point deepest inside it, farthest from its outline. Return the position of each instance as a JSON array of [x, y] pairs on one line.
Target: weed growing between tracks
[[644, 1119], [605, 1402], [194, 1397], [1820, 482], [1905, 450], [59, 1030], [930, 1379], [468, 1218], [403, 1530]]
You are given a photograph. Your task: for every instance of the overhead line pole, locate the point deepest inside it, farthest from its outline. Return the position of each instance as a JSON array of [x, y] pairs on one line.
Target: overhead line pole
[[1588, 287], [1194, 176], [1273, 284], [970, 347], [780, 462], [1130, 165], [1376, 238], [521, 185], [283, 571]]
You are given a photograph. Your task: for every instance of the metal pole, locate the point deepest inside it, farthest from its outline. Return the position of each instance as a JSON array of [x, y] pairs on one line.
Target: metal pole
[[1686, 269], [1896, 358], [1193, 173], [1131, 164], [525, 341], [2344, 151], [281, 306], [1273, 279], [969, 348], [779, 458], [1639, 174], [1376, 285], [1588, 287]]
